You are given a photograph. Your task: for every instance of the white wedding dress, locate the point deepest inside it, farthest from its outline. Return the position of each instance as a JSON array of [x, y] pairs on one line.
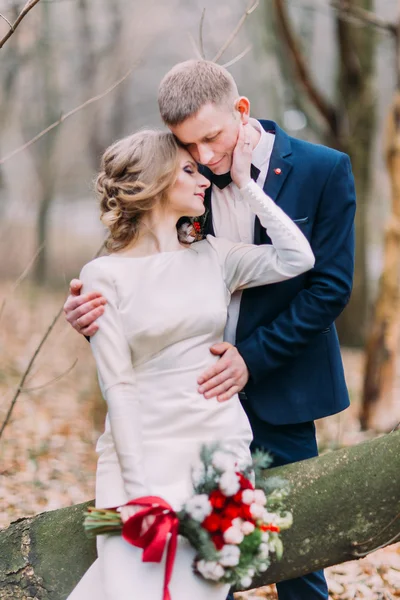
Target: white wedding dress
[[164, 311]]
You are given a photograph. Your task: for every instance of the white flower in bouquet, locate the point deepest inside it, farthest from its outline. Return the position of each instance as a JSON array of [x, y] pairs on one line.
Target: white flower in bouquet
[[233, 535], [262, 567], [237, 522], [223, 461], [257, 511], [210, 569], [269, 517], [285, 521], [245, 581], [259, 497], [263, 551], [198, 474], [265, 537], [199, 507], [229, 556], [248, 496], [229, 483], [247, 527], [251, 572]]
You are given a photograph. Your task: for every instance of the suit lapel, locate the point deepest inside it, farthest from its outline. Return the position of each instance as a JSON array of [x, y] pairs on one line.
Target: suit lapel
[[279, 169]]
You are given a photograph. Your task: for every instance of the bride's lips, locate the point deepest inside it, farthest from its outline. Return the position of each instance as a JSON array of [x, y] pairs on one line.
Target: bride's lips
[[201, 195]]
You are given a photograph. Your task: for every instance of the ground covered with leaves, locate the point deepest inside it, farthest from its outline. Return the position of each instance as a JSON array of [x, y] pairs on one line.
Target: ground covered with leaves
[[47, 457]]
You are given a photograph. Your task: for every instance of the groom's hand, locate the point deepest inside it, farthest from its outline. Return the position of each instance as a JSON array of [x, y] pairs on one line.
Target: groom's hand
[[226, 377], [82, 310]]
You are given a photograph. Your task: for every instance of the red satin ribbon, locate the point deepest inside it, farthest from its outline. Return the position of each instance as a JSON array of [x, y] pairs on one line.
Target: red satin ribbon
[[155, 539]]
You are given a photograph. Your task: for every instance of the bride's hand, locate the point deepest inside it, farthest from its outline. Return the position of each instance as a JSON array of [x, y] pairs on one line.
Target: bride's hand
[[127, 512], [241, 158]]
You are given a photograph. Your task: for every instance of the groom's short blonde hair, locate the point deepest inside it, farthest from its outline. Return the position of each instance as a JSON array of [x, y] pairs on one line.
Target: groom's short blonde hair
[[189, 85]]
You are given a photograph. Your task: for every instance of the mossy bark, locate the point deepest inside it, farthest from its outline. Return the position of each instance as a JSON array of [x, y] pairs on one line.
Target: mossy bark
[[345, 497]]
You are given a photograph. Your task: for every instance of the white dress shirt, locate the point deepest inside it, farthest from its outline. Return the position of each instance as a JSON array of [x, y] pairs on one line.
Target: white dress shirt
[[233, 218]]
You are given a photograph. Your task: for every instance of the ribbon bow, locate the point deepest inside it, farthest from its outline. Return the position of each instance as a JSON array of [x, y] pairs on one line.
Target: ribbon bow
[[155, 539]]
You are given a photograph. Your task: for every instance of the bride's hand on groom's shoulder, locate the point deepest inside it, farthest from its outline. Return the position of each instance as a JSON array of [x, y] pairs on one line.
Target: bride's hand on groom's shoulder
[[226, 377], [82, 310], [241, 158]]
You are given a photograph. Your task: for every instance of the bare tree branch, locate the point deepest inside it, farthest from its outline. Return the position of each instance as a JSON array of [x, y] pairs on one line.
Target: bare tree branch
[[238, 57], [365, 17], [20, 389], [66, 116], [373, 538], [6, 20], [21, 278], [324, 107], [27, 371], [195, 47], [48, 383], [234, 33], [201, 41], [392, 540], [28, 6]]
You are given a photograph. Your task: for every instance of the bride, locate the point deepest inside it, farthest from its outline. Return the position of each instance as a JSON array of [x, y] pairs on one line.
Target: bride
[[166, 305]]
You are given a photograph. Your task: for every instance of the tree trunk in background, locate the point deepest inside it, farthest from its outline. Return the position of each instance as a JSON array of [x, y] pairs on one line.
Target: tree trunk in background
[[332, 499], [102, 128], [345, 123], [47, 163], [12, 60], [378, 402], [356, 107]]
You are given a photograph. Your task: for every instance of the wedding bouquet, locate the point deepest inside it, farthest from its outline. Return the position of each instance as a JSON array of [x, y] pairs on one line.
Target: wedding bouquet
[[233, 520]]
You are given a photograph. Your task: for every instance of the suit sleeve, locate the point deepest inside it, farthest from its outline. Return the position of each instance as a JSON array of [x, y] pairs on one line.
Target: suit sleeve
[[328, 285], [248, 265], [117, 380]]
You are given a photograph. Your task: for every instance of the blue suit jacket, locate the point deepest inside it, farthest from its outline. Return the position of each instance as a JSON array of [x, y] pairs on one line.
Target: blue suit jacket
[[286, 332]]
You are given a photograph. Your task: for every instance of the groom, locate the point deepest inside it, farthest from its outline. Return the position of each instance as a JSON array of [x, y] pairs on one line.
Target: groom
[[281, 350]]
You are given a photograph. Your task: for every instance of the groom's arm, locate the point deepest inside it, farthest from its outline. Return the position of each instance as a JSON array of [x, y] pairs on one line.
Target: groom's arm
[[314, 309], [328, 287]]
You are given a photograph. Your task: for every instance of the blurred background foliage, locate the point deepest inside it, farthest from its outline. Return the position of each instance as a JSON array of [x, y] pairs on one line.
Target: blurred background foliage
[[326, 71]]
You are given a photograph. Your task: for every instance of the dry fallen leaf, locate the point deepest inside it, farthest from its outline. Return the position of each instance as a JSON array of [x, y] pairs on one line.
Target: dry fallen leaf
[[47, 453]]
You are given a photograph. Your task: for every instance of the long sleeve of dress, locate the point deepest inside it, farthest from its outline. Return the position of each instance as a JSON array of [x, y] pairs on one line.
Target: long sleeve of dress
[[117, 380], [247, 265]]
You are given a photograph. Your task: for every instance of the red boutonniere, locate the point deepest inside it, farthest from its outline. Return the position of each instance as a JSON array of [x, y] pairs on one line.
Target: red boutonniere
[[191, 229]]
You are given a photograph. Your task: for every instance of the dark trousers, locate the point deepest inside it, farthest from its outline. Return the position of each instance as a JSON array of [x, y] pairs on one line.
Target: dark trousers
[[288, 444]]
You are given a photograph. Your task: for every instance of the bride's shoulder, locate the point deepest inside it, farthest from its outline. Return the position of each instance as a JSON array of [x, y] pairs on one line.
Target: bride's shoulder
[[215, 247], [98, 268], [220, 246]]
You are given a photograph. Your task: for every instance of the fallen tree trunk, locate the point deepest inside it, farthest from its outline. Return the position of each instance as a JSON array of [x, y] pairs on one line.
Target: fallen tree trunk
[[345, 504]]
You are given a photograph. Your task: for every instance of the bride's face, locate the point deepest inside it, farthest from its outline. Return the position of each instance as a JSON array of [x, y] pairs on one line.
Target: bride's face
[[186, 197]]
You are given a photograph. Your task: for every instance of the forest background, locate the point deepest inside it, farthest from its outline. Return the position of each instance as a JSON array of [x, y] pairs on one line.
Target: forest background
[[326, 71]]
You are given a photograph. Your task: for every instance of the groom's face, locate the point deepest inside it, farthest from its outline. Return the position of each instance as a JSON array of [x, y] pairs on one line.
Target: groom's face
[[211, 135]]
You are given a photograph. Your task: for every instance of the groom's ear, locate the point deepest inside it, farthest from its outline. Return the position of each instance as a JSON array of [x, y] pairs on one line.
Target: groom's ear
[[242, 105]]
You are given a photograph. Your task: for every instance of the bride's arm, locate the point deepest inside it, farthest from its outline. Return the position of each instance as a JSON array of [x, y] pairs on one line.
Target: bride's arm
[[247, 265], [114, 365]]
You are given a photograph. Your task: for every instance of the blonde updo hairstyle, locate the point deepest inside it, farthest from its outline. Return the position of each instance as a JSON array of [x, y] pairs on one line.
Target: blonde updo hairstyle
[[136, 174]]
